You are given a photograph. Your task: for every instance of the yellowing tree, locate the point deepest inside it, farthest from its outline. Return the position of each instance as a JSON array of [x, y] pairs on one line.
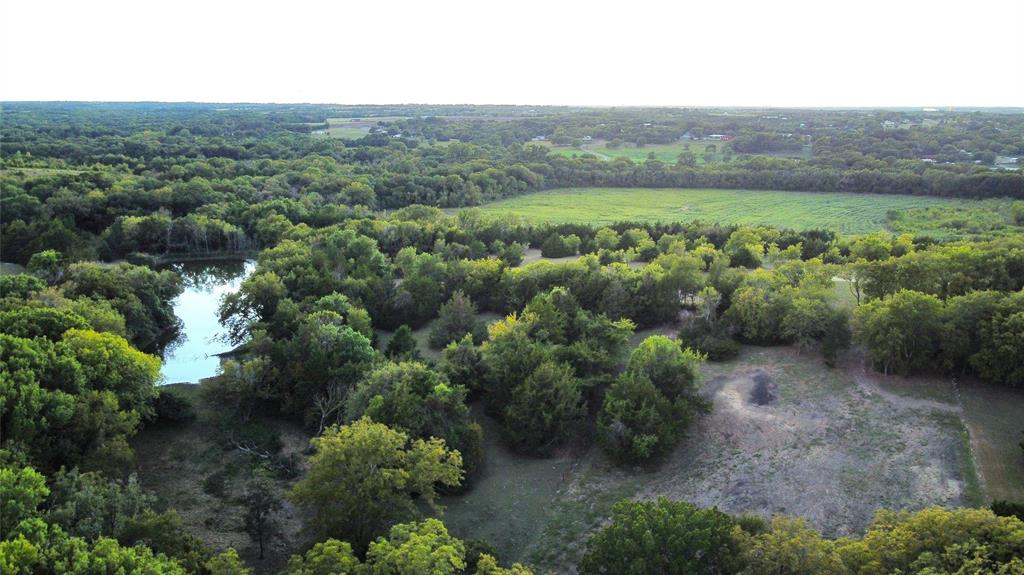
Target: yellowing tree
[[363, 476]]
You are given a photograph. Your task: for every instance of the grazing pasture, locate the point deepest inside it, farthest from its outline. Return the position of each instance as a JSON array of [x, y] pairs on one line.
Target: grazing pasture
[[843, 212]]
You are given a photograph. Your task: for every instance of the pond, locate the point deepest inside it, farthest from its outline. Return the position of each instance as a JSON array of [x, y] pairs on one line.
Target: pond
[[192, 355]]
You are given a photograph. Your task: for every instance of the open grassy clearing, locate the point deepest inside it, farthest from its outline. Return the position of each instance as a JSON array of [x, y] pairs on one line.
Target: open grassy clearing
[[196, 472], [352, 128], [980, 219], [667, 153], [846, 213], [830, 447]]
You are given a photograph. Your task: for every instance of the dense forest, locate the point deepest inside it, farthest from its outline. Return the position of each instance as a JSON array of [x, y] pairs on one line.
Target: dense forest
[[356, 237]]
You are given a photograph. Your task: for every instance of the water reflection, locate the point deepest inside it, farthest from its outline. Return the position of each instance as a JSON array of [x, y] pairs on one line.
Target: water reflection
[[191, 355]]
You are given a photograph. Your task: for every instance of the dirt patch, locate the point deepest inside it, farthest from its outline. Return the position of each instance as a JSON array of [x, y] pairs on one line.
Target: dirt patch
[[808, 442], [763, 392]]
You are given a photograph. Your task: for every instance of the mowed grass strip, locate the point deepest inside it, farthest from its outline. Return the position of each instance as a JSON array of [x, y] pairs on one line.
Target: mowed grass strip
[[843, 212]]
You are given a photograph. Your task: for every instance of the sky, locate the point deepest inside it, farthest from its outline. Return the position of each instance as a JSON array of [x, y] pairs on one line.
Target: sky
[[553, 52]]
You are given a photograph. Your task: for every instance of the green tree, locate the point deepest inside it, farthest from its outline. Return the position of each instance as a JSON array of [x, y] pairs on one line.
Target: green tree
[[462, 363], [109, 363], [543, 409], [413, 398], [456, 319], [413, 548], [671, 369], [789, 546], [364, 475], [661, 538], [1000, 357], [22, 491], [402, 345], [227, 563], [261, 505], [636, 421], [330, 557], [902, 332], [47, 265]]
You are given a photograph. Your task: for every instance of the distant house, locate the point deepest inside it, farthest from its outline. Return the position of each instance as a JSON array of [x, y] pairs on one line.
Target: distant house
[[888, 125], [587, 138], [928, 160], [539, 138], [719, 137]]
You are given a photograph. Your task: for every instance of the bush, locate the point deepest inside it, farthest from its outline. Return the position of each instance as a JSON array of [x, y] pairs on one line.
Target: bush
[[462, 363], [1008, 509], [559, 246], [712, 341], [456, 319], [402, 345], [661, 538], [637, 422], [171, 406], [543, 409]]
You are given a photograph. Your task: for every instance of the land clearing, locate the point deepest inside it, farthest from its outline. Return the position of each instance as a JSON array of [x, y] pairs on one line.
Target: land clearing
[[847, 213], [352, 128], [667, 153], [786, 435], [995, 418]]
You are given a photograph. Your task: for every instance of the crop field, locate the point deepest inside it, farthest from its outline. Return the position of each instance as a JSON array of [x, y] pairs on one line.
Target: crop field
[[843, 212], [830, 445]]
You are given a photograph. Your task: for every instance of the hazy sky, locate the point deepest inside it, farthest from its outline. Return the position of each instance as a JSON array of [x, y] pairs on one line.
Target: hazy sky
[[637, 52]]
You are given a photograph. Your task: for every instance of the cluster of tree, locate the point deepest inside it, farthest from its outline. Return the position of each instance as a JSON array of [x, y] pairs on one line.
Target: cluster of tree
[[648, 408], [882, 268], [536, 365], [792, 303], [72, 387], [979, 332], [224, 178], [667, 537], [83, 523], [414, 547]]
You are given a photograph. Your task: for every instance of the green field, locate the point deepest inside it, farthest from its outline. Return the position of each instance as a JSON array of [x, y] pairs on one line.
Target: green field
[[846, 213], [667, 153], [352, 128]]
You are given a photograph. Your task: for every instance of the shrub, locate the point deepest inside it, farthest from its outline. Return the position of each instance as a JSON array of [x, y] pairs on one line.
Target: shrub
[[456, 319], [171, 406], [637, 422]]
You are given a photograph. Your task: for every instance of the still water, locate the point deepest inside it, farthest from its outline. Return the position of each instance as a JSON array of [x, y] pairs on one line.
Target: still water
[[192, 355]]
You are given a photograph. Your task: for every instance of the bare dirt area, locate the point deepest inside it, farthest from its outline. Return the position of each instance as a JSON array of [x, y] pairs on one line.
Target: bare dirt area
[[786, 435]]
